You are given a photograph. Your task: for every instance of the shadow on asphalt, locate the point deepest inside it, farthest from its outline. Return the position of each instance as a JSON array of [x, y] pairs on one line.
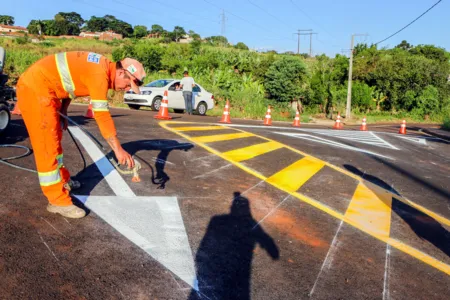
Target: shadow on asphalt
[[424, 226], [225, 255], [91, 176], [165, 147], [15, 133]]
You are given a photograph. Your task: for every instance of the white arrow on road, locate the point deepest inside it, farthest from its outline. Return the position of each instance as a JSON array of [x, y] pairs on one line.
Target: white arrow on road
[[154, 224]]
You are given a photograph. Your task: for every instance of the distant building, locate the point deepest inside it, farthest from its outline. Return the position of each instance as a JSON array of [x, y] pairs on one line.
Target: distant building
[[185, 39], [9, 29], [156, 35], [102, 36]]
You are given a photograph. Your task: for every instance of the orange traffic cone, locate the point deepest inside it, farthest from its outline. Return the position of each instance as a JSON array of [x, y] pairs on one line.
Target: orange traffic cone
[[296, 120], [363, 125], [338, 124], [16, 110], [89, 113], [226, 114], [403, 128], [268, 118], [163, 113]]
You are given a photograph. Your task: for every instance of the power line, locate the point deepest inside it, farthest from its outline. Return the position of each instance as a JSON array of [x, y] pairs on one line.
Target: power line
[[275, 17], [247, 21], [409, 23], [303, 12]]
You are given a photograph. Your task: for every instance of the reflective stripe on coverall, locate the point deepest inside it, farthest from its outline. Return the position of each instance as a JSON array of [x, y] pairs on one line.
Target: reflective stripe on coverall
[[39, 92]]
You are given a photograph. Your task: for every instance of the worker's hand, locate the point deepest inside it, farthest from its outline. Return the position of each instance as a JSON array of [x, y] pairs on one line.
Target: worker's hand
[[124, 158]]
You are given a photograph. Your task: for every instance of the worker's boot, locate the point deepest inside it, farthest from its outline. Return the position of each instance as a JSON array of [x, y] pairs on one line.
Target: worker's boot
[[72, 185], [70, 211]]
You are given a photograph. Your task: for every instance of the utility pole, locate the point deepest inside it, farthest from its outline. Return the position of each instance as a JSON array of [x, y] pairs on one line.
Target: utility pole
[[310, 43], [299, 34], [348, 109]]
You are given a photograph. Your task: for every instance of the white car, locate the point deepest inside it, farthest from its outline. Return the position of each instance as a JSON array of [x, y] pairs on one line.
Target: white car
[[152, 95]]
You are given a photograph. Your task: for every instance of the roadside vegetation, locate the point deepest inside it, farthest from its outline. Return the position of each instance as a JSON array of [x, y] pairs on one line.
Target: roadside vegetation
[[410, 82]]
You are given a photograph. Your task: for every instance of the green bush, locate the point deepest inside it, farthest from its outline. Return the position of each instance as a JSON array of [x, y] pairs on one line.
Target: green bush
[[286, 79], [446, 124], [362, 95]]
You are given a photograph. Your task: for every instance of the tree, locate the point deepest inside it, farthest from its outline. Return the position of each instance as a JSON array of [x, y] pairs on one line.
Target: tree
[[73, 18], [6, 20], [286, 79], [241, 46], [109, 22], [217, 40], [157, 29], [177, 33], [97, 24], [404, 45], [194, 36], [139, 31]]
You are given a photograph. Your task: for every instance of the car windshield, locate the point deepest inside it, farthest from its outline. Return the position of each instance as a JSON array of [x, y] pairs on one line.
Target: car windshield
[[159, 83]]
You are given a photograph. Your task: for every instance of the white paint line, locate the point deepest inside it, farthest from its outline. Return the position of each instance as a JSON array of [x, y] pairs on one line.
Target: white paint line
[[387, 267], [154, 224], [48, 247], [203, 157], [331, 143], [271, 212], [213, 171], [115, 181], [392, 146], [328, 259], [53, 227], [248, 190]]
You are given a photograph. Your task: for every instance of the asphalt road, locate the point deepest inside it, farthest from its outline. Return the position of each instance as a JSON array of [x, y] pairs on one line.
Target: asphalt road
[[236, 212]]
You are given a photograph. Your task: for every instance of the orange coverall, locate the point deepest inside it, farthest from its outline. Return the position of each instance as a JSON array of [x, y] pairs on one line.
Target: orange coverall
[[40, 91]]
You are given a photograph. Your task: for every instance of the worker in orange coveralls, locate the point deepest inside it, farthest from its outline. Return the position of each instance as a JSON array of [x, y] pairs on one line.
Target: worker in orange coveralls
[[47, 88]]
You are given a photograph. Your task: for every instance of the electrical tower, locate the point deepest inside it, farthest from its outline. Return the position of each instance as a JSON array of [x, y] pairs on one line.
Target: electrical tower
[[298, 33], [223, 19]]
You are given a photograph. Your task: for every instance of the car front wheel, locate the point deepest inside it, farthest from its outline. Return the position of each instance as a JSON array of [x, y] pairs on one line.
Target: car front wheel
[[202, 108], [156, 105]]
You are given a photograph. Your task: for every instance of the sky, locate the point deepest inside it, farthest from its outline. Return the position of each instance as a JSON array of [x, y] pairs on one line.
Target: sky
[[267, 24]]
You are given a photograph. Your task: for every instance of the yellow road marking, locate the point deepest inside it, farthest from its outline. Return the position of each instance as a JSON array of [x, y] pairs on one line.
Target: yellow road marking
[[220, 137], [199, 128], [393, 242], [294, 176], [252, 151], [371, 210]]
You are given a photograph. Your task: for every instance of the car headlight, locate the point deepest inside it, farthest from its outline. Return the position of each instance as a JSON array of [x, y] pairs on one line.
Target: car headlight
[[146, 92]]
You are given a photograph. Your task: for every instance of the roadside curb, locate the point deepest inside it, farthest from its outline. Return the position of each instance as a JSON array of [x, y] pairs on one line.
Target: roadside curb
[[441, 136]]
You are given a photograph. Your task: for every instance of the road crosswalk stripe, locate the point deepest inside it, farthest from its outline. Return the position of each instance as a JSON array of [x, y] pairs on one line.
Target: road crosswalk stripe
[[371, 209], [367, 196], [200, 128], [294, 176], [252, 151], [220, 137]]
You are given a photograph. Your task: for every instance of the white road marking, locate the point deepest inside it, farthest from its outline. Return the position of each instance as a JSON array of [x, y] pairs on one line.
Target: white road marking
[[154, 224], [387, 267], [213, 171], [329, 258], [418, 140], [329, 142], [365, 137], [115, 181], [271, 212]]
